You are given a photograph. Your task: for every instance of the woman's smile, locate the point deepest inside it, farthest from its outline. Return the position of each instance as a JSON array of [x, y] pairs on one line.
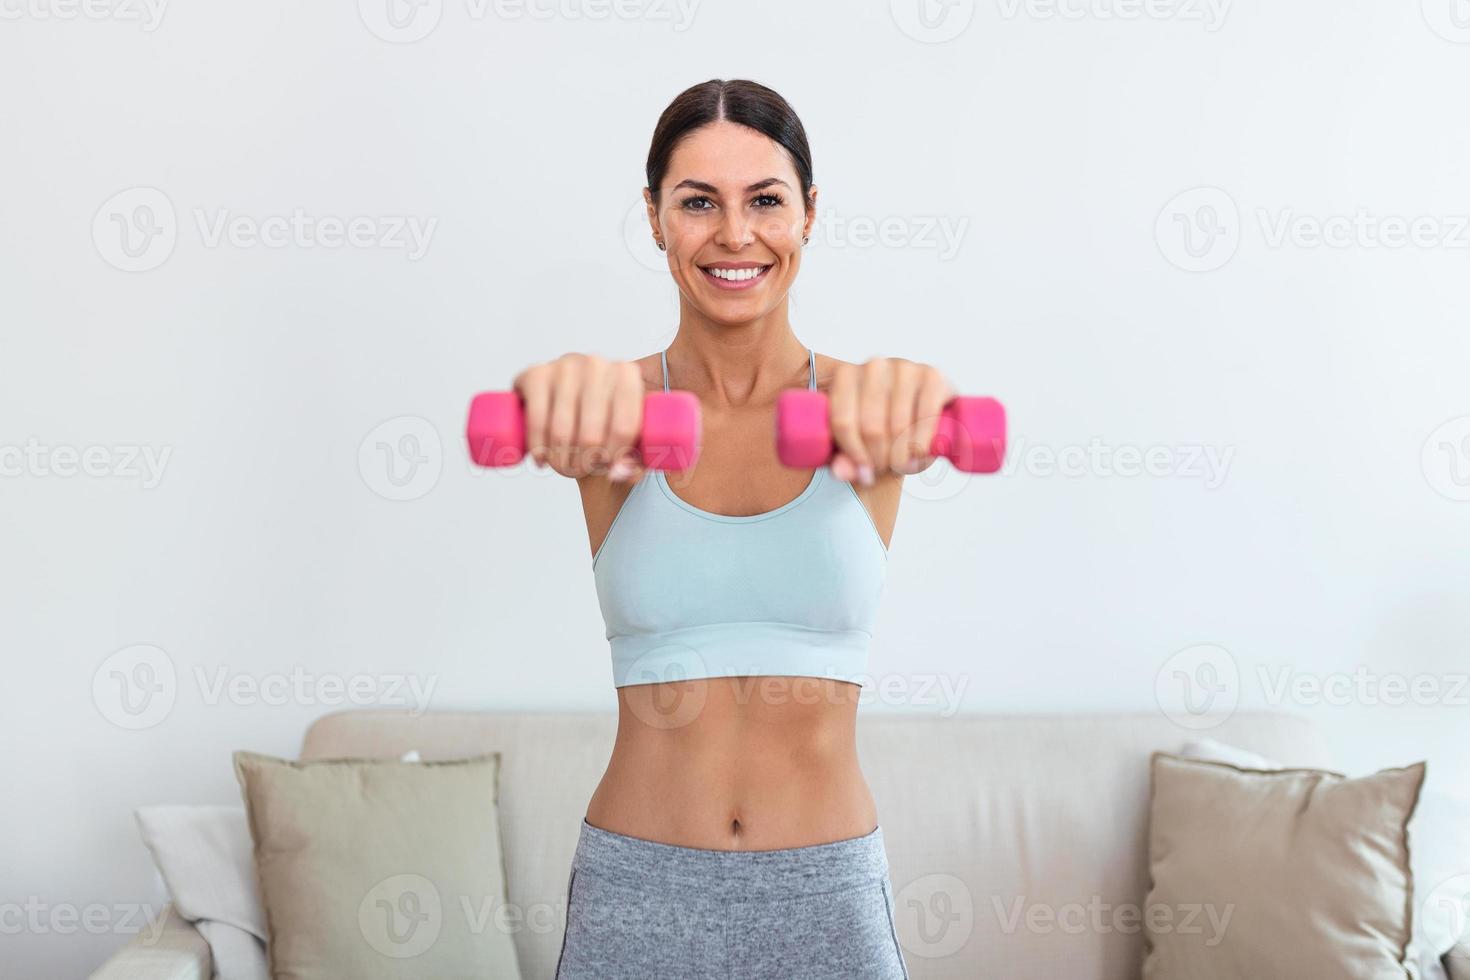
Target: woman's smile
[[735, 275]]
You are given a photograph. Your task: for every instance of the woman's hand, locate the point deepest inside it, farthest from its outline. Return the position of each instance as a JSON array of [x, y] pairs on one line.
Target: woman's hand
[[583, 415], [883, 415]]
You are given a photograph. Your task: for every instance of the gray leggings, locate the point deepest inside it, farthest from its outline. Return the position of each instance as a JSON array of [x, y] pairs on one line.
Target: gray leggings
[[641, 910]]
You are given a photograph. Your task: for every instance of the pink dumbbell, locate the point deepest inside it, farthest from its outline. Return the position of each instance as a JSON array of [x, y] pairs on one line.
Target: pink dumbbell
[[971, 432], [670, 440]]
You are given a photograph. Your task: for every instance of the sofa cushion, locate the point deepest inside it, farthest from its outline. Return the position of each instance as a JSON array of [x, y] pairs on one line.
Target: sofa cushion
[[379, 869], [1287, 873]]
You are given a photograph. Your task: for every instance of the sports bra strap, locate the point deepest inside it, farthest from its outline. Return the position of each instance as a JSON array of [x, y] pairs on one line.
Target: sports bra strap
[[811, 384]]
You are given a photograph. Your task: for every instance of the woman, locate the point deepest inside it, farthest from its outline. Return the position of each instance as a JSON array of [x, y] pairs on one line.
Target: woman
[[733, 834]]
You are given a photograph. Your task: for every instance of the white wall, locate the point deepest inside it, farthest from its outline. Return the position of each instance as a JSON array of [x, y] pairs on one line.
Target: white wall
[[1051, 143]]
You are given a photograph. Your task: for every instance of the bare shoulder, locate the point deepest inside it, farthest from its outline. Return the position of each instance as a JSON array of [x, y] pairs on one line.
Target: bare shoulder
[[826, 367]]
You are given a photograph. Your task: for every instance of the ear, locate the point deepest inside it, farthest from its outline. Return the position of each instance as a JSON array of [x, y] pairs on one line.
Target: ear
[[811, 214], [652, 213]]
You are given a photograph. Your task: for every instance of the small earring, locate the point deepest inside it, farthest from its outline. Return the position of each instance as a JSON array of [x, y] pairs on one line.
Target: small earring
[[804, 239], [662, 247]]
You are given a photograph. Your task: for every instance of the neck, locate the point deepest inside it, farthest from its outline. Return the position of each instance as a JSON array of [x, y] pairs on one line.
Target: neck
[[735, 365]]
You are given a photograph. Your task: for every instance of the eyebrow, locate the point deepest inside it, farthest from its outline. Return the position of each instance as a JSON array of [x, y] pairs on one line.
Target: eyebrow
[[700, 185]]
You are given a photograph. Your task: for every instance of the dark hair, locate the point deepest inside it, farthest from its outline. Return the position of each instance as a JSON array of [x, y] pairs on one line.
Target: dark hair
[[739, 101]]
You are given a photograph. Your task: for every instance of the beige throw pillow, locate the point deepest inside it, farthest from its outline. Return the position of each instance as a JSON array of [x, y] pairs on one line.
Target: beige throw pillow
[[1286, 873], [379, 869]]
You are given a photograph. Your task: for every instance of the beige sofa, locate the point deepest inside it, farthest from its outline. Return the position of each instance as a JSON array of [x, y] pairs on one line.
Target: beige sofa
[[1014, 842]]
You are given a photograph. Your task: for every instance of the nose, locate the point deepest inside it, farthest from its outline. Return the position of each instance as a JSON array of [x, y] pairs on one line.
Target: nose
[[735, 230]]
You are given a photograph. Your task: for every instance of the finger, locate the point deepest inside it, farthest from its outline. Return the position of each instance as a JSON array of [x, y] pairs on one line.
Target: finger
[[842, 415], [873, 404], [534, 386], [934, 394], [843, 467], [907, 376], [626, 421], [561, 424], [593, 408]]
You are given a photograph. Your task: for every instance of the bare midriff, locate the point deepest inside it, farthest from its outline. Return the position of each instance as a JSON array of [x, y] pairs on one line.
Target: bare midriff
[[736, 763]]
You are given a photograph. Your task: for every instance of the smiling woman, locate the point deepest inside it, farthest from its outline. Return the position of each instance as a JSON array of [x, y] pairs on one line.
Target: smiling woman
[[733, 833]]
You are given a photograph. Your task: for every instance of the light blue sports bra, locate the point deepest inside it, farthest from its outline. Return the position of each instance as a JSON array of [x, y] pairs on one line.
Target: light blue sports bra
[[687, 593]]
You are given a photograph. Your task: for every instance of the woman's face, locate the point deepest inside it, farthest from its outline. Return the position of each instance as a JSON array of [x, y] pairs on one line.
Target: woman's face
[[732, 218]]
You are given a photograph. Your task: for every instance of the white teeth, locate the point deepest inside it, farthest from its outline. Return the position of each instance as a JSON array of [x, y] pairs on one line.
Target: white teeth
[[736, 275]]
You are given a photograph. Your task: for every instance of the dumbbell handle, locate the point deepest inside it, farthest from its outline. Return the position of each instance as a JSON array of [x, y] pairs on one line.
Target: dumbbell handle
[[670, 439], [971, 432]]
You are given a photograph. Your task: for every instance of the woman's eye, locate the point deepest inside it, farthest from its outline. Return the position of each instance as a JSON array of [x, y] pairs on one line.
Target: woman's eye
[[769, 201], [690, 202]]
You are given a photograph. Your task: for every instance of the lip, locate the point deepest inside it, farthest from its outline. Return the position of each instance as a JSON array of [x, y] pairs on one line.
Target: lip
[[719, 283]]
